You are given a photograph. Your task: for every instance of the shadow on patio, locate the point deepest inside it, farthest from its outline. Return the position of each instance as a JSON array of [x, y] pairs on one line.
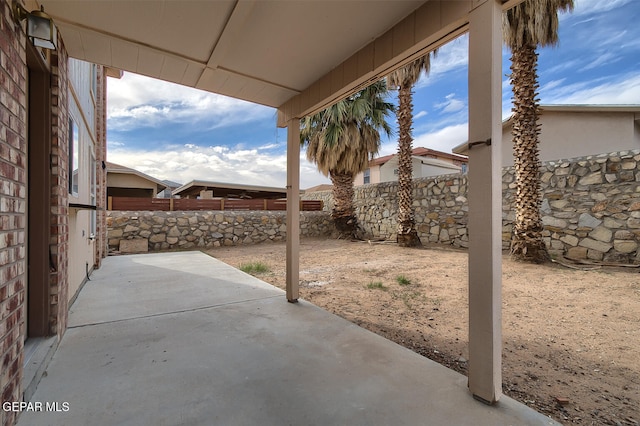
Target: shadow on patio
[[184, 339]]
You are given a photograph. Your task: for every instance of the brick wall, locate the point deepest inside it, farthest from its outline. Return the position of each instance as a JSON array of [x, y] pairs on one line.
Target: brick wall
[[59, 243], [13, 179], [101, 173]]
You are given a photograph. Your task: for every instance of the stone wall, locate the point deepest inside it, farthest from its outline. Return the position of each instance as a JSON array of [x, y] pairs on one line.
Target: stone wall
[[158, 230], [325, 196], [440, 208], [591, 207]]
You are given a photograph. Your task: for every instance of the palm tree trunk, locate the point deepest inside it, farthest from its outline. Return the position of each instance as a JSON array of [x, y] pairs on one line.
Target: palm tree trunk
[[343, 213], [526, 241], [407, 234]]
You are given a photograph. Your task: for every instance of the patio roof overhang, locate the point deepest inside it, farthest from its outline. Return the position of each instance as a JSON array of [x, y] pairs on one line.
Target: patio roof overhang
[[297, 56], [301, 56]]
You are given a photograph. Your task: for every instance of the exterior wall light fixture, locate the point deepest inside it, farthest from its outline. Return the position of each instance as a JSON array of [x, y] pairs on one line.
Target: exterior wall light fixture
[[40, 27]]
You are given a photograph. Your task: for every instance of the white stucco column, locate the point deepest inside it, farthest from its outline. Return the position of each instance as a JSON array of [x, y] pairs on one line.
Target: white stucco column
[[293, 210], [485, 201]]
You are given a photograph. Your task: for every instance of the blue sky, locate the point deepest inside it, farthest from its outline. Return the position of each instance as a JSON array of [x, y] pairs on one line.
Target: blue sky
[[178, 133]]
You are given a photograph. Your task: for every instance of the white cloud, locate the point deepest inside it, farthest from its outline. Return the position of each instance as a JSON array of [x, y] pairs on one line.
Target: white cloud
[[551, 85], [605, 58], [443, 139], [452, 56], [216, 163], [625, 89], [584, 7], [135, 100], [451, 104], [420, 114]]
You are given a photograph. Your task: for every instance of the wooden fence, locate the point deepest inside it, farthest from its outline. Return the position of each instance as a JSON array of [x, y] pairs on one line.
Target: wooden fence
[[185, 204]]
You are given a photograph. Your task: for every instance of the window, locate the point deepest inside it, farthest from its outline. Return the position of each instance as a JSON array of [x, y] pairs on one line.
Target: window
[[74, 158], [367, 176]]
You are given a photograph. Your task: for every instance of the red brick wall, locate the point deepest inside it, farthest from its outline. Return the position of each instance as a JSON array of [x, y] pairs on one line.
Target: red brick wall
[[13, 179], [59, 244], [101, 173]]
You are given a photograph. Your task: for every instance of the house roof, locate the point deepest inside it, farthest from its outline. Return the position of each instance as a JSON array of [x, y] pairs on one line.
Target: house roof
[[438, 163], [321, 187], [419, 152], [463, 148], [120, 169], [229, 190], [171, 184], [424, 160]]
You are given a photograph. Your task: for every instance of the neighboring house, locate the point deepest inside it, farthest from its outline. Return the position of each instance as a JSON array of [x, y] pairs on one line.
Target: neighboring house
[[127, 182], [570, 131], [202, 189], [318, 188], [171, 186], [426, 162]]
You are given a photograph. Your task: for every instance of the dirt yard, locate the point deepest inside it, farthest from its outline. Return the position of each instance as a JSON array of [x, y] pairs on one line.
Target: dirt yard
[[571, 338]]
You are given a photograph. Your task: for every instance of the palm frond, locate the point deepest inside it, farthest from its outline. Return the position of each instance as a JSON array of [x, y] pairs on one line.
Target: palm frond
[[533, 22], [345, 136]]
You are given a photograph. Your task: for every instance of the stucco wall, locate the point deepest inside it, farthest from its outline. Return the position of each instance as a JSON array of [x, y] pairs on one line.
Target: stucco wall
[[82, 222], [591, 207], [570, 134], [127, 180]]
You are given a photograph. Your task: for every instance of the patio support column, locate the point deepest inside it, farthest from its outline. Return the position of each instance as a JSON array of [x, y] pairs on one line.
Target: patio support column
[[293, 210], [485, 201]]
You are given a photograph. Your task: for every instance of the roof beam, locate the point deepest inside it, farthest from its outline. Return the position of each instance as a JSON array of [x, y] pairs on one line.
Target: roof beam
[[233, 27], [432, 25]]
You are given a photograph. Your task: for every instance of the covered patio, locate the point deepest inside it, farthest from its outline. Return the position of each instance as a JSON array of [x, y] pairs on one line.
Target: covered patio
[[300, 57], [182, 338]]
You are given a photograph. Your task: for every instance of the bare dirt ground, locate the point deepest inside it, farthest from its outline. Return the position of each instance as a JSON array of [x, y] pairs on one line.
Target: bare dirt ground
[[571, 338]]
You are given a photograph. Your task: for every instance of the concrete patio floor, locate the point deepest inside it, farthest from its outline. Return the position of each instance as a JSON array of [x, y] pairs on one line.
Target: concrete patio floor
[[184, 339]]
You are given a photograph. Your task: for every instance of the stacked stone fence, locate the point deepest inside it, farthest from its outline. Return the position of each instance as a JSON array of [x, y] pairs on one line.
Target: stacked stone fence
[[590, 209], [141, 231]]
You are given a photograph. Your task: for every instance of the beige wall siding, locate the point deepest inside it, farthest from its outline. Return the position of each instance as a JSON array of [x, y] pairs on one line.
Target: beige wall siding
[[82, 222], [123, 180], [567, 134], [426, 170], [81, 249]]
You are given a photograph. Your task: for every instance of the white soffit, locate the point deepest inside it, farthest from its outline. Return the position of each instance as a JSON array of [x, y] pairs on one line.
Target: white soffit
[[264, 51]]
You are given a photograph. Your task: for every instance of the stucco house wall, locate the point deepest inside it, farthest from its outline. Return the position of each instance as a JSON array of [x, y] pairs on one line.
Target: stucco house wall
[[132, 183], [126, 182], [426, 162], [577, 131], [422, 167], [83, 78]]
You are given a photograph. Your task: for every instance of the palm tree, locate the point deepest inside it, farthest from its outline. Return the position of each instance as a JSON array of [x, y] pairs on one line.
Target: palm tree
[[341, 140], [403, 80], [526, 26]]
